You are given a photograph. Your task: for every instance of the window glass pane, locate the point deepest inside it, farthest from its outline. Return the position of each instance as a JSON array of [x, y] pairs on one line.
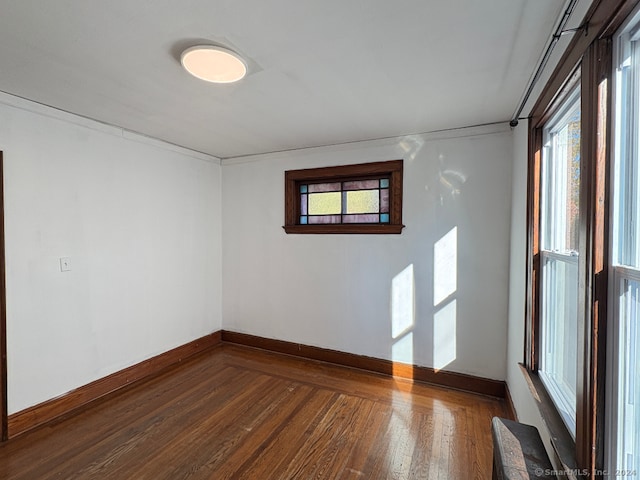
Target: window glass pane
[[325, 203], [627, 171], [624, 408], [361, 185], [558, 367], [559, 257], [384, 200], [365, 218], [629, 383], [363, 201], [325, 187], [303, 204], [561, 183], [325, 219]]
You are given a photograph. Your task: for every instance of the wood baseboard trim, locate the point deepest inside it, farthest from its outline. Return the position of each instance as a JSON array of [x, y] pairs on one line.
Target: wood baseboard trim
[[32, 417], [458, 381], [508, 400]]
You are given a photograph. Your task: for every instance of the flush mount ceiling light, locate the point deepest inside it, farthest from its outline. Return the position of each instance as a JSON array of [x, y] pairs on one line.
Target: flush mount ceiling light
[[213, 64]]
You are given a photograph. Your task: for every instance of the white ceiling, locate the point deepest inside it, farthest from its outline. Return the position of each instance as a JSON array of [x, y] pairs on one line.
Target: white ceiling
[[320, 71]]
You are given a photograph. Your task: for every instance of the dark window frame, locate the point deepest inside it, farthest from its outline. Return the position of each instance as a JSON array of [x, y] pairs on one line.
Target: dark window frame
[[4, 425], [562, 441], [592, 49], [393, 169]]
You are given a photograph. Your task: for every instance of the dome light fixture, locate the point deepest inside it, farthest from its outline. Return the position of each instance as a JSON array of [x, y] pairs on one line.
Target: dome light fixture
[[213, 64]]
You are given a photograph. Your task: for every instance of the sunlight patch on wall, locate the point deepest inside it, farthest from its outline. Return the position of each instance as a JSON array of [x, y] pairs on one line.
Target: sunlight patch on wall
[[445, 285], [411, 146], [403, 320], [444, 336], [402, 302], [402, 349], [445, 266]]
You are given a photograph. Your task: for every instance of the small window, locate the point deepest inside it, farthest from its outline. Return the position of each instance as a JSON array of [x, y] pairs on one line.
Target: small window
[[363, 198]]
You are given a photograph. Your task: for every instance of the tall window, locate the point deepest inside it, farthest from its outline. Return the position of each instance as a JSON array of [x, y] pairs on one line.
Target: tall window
[[583, 249], [625, 354], [559, 204]]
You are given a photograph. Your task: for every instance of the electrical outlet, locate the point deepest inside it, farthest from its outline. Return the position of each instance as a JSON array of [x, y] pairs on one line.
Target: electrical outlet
[[65, 264]]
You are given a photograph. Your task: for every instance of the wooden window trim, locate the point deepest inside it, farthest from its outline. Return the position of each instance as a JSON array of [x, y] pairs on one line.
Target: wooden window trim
[[563, 444], [4, 431], [294, 178], [602, 20], [594, 238], [587, 452], [593, 50]]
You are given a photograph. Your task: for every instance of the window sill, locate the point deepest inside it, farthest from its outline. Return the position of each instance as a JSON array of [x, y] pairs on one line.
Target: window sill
[[344, 228], [563, 444]]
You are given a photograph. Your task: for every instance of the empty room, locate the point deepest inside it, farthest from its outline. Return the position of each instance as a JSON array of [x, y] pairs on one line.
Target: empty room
[[319, 239]]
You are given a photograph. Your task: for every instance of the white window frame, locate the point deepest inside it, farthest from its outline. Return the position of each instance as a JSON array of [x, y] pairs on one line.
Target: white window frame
[[553, 248], [625, 225]]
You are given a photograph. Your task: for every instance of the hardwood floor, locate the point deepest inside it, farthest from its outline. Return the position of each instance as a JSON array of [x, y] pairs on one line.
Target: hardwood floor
[[241, 413]]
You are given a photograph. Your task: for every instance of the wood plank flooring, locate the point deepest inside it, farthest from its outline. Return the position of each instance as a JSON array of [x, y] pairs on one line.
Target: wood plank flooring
[[241, 413]]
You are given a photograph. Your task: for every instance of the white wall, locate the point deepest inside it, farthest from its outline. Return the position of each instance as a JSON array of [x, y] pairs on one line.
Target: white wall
[[335, 291], [149, 244], [140, 222]]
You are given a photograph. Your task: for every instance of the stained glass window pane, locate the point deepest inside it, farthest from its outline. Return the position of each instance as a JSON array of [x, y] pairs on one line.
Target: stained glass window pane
[[384, 201], [326, 219], [363, 218], [366, 198], [361, 185], [328, 203], [325, 187], [363, 201]]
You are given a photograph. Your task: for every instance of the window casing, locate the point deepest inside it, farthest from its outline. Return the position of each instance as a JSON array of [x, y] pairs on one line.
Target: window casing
[[601, 376], [361, 198], [567, 258]]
